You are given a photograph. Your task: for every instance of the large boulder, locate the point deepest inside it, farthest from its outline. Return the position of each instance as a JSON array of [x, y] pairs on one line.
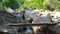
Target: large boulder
[[45, 18]]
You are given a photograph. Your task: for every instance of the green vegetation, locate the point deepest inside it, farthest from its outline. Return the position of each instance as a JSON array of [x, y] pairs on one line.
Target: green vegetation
[[41, 4]]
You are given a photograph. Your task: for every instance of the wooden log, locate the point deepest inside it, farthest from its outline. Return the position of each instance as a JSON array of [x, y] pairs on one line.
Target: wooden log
[[30, 24]]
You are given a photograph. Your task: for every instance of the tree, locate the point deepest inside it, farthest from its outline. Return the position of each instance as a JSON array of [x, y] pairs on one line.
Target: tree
[[33, 4], [13, 4], [52, 4]]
